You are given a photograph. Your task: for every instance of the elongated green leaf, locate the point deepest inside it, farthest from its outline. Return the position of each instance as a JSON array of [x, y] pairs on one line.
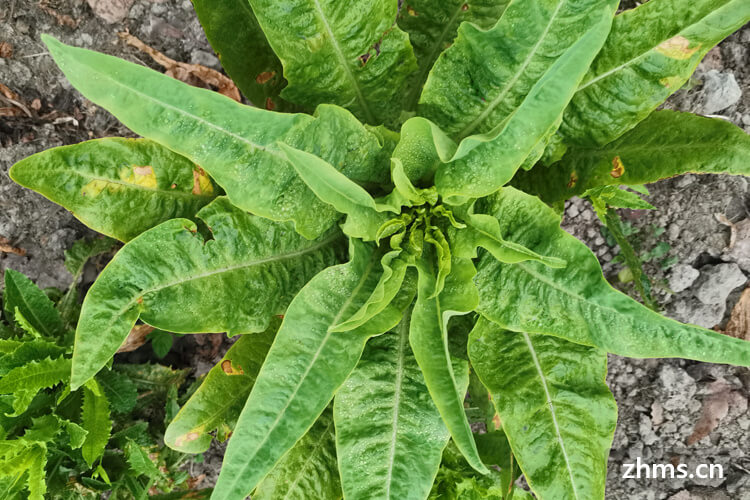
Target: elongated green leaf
[[484, 230], [580, 307], [22, 294], [665, 144], [433, 24], [235, 144], [337, 190], [119, 187], [305, 366], [350, 54], [35, 375], [395, 267], [222, 395], [650, 53], [95, 421], [555, 406], [309, 470], [120, 391], [30, 350], [446, 379], [465, 94], [244, 52], [174, 280], [386, 426]]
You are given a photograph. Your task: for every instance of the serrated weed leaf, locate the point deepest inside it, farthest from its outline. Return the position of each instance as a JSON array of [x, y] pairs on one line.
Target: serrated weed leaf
[[37, 309]]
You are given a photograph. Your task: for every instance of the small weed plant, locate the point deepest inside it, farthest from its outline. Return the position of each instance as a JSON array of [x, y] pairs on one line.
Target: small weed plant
[[383, 230]]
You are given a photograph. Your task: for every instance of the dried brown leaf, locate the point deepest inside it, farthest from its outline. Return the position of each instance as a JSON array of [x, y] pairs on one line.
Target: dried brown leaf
[[193, 74], [739, 322], [6, 50], [715, 408], [136, 338], [5, 245]]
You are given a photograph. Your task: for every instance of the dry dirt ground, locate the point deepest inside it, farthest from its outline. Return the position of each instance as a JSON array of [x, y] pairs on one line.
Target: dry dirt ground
[[699, 267]]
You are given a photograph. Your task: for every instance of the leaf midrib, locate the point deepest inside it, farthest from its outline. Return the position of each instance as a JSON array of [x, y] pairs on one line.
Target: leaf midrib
[[552, 411], [430, 59], [342, 60], [172, 192], [403, 339], [494, 103], [310, 456]]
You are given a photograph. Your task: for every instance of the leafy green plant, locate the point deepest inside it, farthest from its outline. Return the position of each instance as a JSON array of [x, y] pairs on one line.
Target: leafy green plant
[[436, 158], [58, 443]]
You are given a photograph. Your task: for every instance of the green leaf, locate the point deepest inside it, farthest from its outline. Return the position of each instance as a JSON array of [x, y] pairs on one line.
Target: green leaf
[[30, 350], [139, 461], [20, 292], [85, 249], [119, 187], [555, 406], [665, 144], [446, 379], [522, 121], [222, 395], [352, 55], [174, 280], [337, 190], [433, 24], [650, 53], [464, 95], [612, 196], [76, 433], [580, 307], [161, 342], [456, 480], [244, 52], [484, 230], [29, 378], [235, 144], [119, 390], [95, 421], [389, 436], [308, 470], [305, 366], [632, 261], [395, 268]]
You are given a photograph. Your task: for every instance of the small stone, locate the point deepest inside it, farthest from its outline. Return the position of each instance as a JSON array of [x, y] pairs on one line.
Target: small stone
[[204, 58], [721, 91], [111, 11], [573, 210], [682, 276], [718, 282]]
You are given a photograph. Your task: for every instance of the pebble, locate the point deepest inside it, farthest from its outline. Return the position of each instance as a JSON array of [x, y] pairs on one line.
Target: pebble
[[682, 276], [721, 91], [718, 282]]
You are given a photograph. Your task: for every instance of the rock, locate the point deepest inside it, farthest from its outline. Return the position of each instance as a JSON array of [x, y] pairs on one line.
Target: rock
[[721, 91], [739, 250], [204, 58], [695, 312], [682, 276], [717, 283], [111, 11]]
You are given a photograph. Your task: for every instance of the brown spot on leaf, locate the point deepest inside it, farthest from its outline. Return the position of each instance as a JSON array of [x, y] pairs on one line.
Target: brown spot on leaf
[[618, 168], [270, 105], [677, 47], [465, 7], [364, 58], [173, 186], [145, 170], [137, 336], [410, 10], [265, 77], [227, 367], [573, 180], [186, 438]]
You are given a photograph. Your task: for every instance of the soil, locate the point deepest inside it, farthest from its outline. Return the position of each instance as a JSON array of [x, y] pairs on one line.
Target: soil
[[698, 276]]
